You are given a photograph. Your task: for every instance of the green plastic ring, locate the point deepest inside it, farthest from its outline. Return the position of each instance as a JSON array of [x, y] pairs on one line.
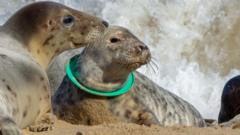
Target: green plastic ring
[[124, 89]]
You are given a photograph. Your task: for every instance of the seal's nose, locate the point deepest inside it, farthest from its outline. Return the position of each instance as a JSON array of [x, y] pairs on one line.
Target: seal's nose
[[105, 23], [143, 47], [140, 48]]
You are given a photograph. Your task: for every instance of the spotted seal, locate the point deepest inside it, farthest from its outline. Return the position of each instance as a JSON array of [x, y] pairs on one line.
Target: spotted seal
[[230, 100], [105, 66], [29, 40]]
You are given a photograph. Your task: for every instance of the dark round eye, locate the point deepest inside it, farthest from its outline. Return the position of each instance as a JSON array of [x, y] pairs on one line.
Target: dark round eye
[[68, 20], [105, 24], [114, 40]]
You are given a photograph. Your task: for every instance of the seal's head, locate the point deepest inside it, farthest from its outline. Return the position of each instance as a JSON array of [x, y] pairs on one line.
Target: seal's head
[[48, 28], [230, 100], [119, 50], [111, 58]]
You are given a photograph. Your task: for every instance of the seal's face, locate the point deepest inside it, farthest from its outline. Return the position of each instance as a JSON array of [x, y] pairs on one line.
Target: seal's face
[[48, 28], [73, 28], [121, 49], [107, 62], [70, 29], [127, 50]]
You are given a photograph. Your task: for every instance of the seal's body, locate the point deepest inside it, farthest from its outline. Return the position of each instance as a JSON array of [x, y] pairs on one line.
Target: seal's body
[[18, 96], [24, 87], [230, 100], [29, 40], [98, 68]]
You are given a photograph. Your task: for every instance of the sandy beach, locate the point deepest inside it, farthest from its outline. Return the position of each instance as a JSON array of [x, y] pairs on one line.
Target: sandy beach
[[63, 128]]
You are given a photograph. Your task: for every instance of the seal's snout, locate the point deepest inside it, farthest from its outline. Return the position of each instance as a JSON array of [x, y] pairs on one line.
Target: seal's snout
[[143, 51], [126, 48], [140, 48], [143, 47]]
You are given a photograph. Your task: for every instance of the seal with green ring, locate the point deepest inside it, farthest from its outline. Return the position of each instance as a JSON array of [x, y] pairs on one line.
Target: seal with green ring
[[124, 88]]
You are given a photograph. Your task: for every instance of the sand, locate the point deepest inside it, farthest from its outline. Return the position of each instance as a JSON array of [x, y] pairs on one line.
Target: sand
[[63, 128]]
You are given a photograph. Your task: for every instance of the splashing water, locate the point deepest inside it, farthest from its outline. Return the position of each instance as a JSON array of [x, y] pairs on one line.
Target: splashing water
[[196, 43]]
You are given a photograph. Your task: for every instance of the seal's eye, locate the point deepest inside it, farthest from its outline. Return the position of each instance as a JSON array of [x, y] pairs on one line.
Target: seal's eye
[[68, 20], [114, 40]]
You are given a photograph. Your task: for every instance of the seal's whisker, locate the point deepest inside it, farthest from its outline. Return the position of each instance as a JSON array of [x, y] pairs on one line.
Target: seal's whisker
[[145, 68], [155, 65], [154, 61], [154, 68], [151, 69]]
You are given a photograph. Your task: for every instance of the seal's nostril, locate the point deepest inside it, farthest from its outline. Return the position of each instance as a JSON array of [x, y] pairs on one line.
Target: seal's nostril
[[105, 23], [140, 48], [143, 47]]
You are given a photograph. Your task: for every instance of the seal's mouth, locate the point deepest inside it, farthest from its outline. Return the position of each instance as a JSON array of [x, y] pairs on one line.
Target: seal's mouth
[[78, 44], [75, 44], [134, 63]]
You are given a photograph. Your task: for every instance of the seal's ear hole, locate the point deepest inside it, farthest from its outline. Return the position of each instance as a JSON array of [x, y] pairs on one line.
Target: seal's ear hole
[[50, 22], [68, 20], [114, 40]]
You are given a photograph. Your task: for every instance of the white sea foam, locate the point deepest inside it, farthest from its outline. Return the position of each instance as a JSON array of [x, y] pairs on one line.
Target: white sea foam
[[196, 43]]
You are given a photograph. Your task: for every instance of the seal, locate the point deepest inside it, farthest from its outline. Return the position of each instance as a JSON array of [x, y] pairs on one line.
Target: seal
[[233, 123], [230, 100], [29, 40], [105, 67]]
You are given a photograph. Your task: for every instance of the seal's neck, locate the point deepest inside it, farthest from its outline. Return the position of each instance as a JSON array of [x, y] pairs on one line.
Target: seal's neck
[[44, 52], [88, 72], [41, 45], [37, 44]]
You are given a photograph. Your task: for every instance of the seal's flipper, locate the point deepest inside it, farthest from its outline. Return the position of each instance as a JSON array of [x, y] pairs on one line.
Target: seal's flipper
[[45, 123]]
